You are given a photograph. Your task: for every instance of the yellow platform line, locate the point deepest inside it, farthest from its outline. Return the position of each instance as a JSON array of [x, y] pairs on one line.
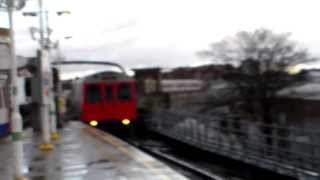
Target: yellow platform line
[[114, 142]]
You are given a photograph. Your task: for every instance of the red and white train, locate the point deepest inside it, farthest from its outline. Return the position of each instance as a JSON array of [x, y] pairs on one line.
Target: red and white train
[[106, 97], [4, 114]]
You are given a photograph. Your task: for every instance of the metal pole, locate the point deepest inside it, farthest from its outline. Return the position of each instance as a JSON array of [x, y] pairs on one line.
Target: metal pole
[[45, 125], [53, 117], [41, 24], [53, 111], [45, 103], [47, 29], [16, 125], [52, 107], [61, 102], [54, 133]]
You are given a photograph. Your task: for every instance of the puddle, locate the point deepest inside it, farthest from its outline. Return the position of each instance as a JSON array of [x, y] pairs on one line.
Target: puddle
[[38, 158], [100, 161], [101, 164]]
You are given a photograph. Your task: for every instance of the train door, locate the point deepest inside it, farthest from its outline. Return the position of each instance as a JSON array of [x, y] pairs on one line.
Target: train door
[[93, 108], [4, 116], [109, 109], [126, 101]]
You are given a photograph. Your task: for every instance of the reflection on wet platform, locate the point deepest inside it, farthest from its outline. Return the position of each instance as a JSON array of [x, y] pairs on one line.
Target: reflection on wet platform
[[84, 153]]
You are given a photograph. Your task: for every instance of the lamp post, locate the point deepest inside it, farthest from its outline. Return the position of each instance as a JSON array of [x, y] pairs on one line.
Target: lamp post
[[45, 79], [53, 110], [45, 85], [61, 101], [48, 110], [16, 119]]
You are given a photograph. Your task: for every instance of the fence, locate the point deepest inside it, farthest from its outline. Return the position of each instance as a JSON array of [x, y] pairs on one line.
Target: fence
[[285, 150]]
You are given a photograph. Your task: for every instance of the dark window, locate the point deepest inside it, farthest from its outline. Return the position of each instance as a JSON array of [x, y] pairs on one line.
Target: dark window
[[93, 94], [124, 92], [27, 87], [109, 94]]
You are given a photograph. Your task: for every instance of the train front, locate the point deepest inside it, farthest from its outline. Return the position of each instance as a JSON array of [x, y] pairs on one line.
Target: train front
[[109, 100]]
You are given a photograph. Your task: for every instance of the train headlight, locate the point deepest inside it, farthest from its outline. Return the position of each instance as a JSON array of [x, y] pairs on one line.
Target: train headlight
[[125, 122], [93, 123]]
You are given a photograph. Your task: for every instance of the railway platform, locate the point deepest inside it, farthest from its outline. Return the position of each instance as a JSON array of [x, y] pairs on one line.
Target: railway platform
[[84, 153]]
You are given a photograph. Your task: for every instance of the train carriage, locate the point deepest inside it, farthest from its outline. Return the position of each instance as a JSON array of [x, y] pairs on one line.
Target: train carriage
[[4, 114], [4, 69], [106, 97]]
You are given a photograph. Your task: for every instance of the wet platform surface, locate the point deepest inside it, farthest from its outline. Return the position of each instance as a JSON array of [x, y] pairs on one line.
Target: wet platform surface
[[84, 153]]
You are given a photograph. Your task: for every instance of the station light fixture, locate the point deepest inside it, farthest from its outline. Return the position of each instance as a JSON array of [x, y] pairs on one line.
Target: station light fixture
[[30, 14], [61, 13]]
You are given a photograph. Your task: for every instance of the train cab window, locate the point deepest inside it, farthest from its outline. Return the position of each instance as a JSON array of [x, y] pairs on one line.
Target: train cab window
[[93, 94], [124, 92], [109, 93]]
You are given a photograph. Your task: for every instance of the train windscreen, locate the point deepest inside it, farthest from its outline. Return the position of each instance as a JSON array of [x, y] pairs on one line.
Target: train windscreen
[[124, 91], [93, 94], [109, 93]]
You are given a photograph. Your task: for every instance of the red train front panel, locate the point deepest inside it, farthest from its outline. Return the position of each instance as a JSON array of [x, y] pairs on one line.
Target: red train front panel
[[109, 101]]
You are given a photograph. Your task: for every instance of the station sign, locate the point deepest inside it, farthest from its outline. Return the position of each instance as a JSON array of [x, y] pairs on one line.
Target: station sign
[[4, 49], [181, 85], [3, 79], [4, 35]]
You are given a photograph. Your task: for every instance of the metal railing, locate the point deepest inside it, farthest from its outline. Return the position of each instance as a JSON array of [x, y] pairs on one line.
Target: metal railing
[[286, 150]]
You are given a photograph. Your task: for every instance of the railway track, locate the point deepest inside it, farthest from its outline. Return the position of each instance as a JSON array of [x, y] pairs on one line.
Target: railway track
[[177, 158], [194, 163], [183, 166]]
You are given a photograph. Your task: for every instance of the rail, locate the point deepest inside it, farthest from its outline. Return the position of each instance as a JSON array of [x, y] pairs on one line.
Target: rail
[[286, 150]]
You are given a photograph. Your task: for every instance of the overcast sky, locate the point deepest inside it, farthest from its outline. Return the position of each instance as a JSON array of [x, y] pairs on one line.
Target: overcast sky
[[138, 33]]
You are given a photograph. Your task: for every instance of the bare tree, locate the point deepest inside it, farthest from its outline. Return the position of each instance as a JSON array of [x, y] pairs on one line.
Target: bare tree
[[271, 50], [263, 58]]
